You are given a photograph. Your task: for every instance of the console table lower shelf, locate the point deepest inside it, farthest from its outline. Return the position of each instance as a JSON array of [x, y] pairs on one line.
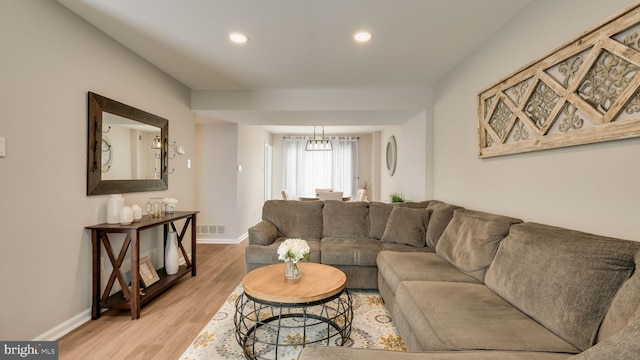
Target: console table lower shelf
[[118, 301], [126, 298]]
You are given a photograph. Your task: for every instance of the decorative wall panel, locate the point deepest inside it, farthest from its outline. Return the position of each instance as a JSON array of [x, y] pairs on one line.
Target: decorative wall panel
[[586, 91]]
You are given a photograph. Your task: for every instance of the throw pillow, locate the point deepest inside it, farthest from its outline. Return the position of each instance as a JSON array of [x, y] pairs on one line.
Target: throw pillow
[[407, 226], [471, 240]]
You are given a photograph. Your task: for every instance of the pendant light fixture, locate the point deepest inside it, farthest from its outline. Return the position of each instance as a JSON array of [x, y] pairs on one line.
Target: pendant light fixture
[[321, 144], [156, 143]]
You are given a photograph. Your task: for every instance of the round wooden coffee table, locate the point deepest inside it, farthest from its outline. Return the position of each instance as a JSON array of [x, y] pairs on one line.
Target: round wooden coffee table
[[275, 316]]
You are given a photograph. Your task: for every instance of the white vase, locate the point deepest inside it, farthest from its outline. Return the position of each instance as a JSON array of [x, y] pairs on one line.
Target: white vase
[[137, 212], [114, 205], [171, 208], [126, 216], [171, 259]]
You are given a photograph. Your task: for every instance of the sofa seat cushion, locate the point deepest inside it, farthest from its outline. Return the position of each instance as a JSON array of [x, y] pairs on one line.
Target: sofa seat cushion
[[345, 219], [405, 248], [407, 226], [295, 219], [562, 278], [349, 251], [395, 267], [268, 254], [464, 316], [471, 240]]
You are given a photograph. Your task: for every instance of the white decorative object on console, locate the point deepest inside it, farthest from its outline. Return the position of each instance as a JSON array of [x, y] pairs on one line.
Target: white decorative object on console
[[137, 212], [114, 205], [126, 216], [171, 259], [170, 205]]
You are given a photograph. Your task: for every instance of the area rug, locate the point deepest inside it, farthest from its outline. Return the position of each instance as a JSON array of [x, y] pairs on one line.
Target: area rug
[[372, 328]]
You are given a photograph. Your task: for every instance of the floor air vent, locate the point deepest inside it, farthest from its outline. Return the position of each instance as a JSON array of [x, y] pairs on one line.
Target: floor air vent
[[211, 229]]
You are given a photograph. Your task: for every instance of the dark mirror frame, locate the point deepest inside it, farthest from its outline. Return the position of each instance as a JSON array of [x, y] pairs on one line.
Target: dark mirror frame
[[98, 104]]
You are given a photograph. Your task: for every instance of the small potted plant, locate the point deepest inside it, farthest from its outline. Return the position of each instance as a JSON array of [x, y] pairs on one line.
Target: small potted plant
[[396, 197]]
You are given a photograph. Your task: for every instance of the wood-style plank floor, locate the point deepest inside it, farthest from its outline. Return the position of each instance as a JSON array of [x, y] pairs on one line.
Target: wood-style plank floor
[[169, 323]]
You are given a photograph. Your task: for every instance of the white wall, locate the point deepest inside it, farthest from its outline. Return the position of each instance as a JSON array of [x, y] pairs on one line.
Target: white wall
[[415, 154], [217, 179], [592, 188], [50, 60], [251, 178]]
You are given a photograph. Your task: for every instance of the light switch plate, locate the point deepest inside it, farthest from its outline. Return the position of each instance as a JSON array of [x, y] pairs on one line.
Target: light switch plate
[[3, 147]]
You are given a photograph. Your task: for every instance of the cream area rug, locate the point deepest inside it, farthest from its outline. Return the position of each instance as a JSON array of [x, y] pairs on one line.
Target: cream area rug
[[372, 328]]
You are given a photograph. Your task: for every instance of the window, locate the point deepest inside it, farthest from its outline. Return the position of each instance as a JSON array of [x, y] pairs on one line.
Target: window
[[305, 171]]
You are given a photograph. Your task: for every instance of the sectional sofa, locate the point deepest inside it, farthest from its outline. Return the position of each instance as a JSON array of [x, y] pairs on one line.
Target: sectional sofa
[[465, 284]]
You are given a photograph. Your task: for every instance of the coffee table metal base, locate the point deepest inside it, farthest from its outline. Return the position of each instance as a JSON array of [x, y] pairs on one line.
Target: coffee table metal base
[[267, 330]]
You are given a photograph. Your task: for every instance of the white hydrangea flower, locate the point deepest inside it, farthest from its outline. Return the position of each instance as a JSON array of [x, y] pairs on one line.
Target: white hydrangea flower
[[293, 250]]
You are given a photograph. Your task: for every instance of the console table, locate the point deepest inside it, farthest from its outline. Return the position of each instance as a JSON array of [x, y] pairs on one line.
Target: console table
[[133, 300]]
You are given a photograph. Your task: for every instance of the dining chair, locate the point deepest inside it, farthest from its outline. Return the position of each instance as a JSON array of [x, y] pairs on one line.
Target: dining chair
[[361, 195]]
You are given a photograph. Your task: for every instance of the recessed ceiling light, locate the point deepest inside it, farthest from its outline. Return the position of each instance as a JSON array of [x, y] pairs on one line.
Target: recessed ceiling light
[[238, 38], [362, 36]]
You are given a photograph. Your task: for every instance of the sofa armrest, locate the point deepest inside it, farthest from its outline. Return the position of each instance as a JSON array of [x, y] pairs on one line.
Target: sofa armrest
[[341, 353], [263, 233]]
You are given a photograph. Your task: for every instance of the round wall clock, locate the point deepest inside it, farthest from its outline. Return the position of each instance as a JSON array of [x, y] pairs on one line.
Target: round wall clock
[[392, 155]]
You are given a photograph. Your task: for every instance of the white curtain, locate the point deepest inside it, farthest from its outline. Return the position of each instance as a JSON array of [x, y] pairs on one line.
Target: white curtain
[[305, 171]]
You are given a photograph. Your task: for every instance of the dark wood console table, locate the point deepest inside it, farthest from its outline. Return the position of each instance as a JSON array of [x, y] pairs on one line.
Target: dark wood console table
[[133, 300]]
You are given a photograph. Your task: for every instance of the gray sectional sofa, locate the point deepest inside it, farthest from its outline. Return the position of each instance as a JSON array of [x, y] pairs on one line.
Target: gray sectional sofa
[[464, 284], [347, 235]]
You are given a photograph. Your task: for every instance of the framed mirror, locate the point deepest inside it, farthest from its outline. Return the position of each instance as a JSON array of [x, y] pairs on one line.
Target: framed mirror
[[126, 149]]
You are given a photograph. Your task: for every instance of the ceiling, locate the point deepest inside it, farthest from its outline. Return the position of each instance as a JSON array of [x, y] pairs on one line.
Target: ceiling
[[299, 44]]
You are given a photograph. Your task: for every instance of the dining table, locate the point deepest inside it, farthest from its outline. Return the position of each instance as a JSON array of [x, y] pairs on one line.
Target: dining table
[[317, 197]]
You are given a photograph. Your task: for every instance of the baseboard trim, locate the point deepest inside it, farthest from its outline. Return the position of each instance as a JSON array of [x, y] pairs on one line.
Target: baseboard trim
[[64, 328], [202, 240]]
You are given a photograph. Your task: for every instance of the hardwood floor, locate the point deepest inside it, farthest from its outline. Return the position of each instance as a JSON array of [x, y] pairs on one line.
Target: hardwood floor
[[167, 325]]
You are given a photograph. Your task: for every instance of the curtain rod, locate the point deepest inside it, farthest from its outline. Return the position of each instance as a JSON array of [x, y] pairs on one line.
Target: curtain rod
[[330, 137]]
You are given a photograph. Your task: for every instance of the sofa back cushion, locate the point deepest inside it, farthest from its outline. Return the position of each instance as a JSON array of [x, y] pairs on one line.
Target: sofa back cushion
[[471, 240], [407, 225], [345, 219], [563, 279], [378, 216], [440, 215], [295, 219], [623, 306]]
